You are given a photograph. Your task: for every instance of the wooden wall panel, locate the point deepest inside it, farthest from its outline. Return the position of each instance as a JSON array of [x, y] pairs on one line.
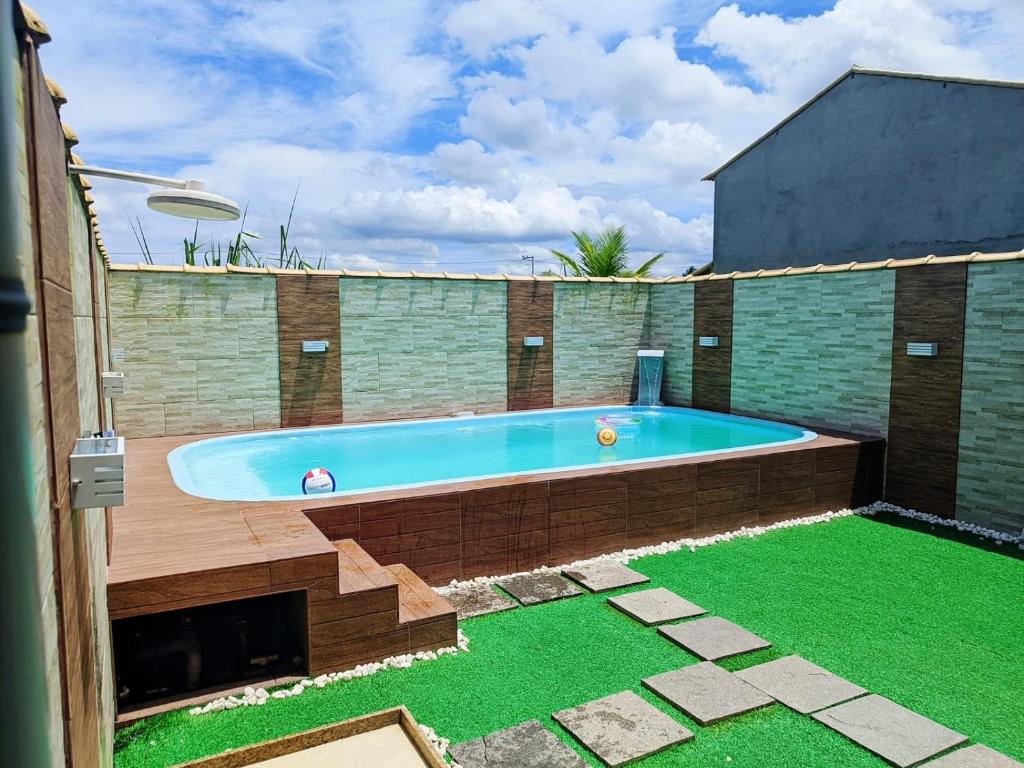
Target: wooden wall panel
[[530, 313], [73, 588], [924, 404], [511, 528], [712, 366], [309, 308]]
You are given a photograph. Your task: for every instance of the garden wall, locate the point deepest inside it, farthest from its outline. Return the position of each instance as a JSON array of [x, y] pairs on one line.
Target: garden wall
[[990, 477], [815, 349], [820, 347], [422, 347], [199, 355], [598, 329]]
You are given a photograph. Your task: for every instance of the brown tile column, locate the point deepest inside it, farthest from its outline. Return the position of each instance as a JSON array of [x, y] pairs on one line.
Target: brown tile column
[[924, 403], [309, 308], [530, 313], [712, 366]]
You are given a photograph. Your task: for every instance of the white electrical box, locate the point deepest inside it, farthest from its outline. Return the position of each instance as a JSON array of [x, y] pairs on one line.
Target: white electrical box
[[314, 346], [113, 383], [533, 341], [922, 349], [707, 341], [97, 472]]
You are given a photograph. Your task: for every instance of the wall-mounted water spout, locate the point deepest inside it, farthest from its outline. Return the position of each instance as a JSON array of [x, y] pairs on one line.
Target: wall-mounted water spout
[[651, 366]]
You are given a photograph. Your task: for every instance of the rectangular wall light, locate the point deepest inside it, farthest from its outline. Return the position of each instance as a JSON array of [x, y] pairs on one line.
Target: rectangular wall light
[[533, 341], [314, 346], [707, 341], [113, 383], [922, 349]]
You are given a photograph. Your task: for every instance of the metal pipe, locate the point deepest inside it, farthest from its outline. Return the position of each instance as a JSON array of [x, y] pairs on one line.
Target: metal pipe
[[24, 739], [142, 178]]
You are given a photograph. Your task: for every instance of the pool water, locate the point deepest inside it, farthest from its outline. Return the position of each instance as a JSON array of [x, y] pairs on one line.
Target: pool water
[[260, 466]]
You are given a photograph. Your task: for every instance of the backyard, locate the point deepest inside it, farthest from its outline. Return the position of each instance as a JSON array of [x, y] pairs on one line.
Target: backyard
[[925, 616]]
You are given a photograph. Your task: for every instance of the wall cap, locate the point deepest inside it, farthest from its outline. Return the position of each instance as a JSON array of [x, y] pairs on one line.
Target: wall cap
[[852, 266]]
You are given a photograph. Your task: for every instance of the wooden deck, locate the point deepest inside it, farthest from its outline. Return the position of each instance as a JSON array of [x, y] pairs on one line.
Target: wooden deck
[[163, 538], [363, 559]]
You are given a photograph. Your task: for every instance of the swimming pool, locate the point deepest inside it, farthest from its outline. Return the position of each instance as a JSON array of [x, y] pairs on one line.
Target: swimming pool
[[263, 466]]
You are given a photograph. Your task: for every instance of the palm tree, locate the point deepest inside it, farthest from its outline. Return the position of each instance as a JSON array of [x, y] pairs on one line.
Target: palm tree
[[603, 256]]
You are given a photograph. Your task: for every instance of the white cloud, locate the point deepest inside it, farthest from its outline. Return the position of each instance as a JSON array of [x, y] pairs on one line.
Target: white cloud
[[796, 57], [437, 136]]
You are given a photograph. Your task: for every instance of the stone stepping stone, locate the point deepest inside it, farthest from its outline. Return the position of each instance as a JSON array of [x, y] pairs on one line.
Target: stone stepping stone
[[708, 693], [535, 588], [976, 756], [603, 576], [714, 638], [655, 606], [892, 732], [799, 684], [622, 727], [477, 600], [527, 745]]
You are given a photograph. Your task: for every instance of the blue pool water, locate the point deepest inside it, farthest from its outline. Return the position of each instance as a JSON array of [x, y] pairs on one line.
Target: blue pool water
[[366, 457]]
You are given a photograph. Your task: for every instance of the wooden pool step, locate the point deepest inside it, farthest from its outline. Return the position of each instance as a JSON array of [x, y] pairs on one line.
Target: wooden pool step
[[379, 611], [417, 601], [358, 571], [430, 619]]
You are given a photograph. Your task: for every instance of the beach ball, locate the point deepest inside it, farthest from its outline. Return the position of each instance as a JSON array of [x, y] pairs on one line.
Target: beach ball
[[607, 437], [318, 480]]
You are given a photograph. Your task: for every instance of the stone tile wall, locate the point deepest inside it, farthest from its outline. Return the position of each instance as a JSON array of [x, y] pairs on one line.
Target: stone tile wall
[[598, 328], [92, 521], [990, 481], [671, 329], [417, 348], [200, 352], [815, 349]]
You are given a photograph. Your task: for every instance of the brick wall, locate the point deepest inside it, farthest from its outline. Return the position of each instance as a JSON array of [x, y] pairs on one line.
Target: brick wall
[[598, 329], [815, 349], [990, 481], [200, 354], [417, 348]]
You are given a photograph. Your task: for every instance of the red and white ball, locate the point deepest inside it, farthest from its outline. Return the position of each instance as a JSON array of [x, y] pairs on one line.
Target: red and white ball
[[318, 480]]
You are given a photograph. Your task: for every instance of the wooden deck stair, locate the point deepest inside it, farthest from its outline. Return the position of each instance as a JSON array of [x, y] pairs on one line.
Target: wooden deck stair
[[379, 611], [417, 602]]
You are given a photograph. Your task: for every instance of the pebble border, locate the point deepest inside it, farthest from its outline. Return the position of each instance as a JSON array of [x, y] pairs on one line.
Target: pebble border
[[626, 555], [257, 697]]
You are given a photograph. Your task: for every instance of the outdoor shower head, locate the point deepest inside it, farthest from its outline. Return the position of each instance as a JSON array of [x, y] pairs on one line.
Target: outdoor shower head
[[193, 204], [177, 198]]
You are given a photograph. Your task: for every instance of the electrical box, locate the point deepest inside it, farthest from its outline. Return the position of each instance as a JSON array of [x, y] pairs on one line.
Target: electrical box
[[533, 341], [97, 472], [113, 383], [707, 341], [319, 345], [922, 349]]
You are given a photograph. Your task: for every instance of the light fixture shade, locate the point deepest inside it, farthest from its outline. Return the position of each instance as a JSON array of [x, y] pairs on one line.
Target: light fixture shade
[[193, 204]]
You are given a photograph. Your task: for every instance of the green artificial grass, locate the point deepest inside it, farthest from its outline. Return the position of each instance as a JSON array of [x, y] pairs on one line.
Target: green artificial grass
[[930, 621]]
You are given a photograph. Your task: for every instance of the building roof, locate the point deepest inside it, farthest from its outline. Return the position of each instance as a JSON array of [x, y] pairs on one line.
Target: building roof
[[850, 73]]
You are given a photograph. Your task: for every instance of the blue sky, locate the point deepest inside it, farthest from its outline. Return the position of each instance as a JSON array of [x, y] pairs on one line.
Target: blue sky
[[460, 136]]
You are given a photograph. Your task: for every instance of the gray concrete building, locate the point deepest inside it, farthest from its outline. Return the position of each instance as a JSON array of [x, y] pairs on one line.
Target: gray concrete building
[[878, 165]]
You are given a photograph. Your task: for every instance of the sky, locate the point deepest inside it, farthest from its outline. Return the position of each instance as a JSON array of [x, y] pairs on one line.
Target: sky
[[465, 136]]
